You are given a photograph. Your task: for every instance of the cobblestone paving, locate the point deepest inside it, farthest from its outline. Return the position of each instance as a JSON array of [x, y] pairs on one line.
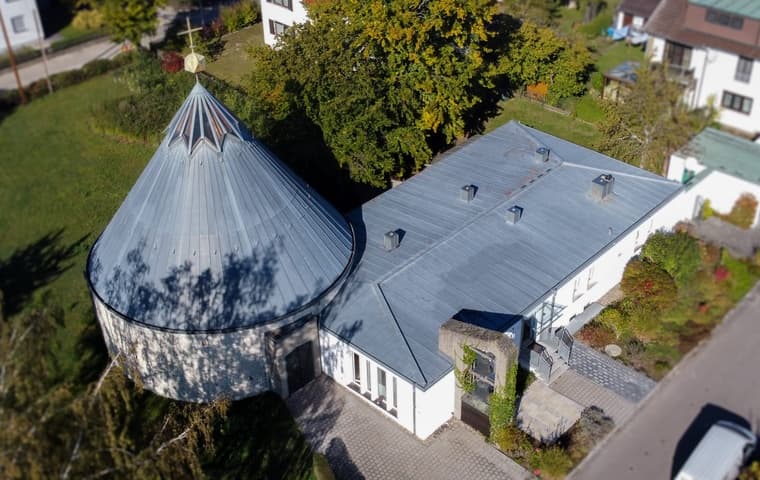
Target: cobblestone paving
[[361, 443], [587, 393], [609, 373]]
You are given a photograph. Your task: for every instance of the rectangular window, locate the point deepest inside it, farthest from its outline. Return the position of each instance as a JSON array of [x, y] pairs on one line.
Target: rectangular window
[[381, 390], [735, 102], [725, 19], [395, 395], [277, 28], [357, 370], [743, 69], [369, 377], [591, 279], [678, 55], [283, 3], [577, 289], [18, 24]]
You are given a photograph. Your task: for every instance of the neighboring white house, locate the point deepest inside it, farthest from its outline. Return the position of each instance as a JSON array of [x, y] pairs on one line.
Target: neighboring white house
[[713, 47], [634, 13], [278, 15], [18, 16], [717, 166]]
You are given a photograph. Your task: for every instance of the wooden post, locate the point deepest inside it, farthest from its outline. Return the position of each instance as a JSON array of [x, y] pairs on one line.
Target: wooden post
[[12, 59], [42, 49]]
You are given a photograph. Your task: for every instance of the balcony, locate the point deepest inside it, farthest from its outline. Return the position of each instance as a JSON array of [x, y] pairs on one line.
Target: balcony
[[681, 74]]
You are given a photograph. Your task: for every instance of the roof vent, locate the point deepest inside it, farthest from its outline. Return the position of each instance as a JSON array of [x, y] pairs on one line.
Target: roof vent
[[541, 155], [514, 214], [602, 186], [391, 240], [467, 193]]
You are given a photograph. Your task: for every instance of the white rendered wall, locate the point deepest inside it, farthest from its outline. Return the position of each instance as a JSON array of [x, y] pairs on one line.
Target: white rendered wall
[[337, 363], [435, 406], [25, 9], [272, 11], [720, 188], [189, 367], [714, 72], [592, 282]]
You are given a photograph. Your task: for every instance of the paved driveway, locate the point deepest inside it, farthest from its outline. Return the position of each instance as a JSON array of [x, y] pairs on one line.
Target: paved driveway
[[360, 442], [719, 380]]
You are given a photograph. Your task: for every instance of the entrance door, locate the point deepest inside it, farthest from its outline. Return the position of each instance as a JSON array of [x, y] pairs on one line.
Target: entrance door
[[300, 367], [627, 19]]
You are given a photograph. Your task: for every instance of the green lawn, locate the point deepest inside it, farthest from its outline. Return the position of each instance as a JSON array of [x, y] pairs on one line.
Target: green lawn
[[534, 115], [234, 62], [57, 176], [613, 54], [60, 184]]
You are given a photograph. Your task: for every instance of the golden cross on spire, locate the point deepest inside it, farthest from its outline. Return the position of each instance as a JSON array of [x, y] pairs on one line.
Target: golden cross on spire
[[194, 62]]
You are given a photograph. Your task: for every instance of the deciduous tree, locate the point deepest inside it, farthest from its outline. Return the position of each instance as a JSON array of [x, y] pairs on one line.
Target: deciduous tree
[[651, 121], [130, 19]]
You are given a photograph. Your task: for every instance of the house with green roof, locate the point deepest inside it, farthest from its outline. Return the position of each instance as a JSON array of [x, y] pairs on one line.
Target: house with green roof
[[719, 167]]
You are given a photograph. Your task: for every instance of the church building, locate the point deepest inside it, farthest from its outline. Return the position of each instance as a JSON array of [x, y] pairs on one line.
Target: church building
[[224, 274]]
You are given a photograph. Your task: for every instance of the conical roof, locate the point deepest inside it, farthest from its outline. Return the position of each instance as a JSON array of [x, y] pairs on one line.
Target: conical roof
[[217, 234]]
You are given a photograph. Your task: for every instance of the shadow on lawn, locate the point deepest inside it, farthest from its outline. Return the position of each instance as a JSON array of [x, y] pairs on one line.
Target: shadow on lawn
[[34, 266]]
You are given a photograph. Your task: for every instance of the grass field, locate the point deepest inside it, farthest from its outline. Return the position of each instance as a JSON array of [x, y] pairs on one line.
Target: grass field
[[60, 184], [535, 115], [234, 63]]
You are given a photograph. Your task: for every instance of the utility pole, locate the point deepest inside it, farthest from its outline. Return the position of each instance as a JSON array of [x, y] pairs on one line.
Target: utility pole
[[12, 59], [42, 49]]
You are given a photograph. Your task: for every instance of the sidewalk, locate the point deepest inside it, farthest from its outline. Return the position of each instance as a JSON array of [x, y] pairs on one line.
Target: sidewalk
[[70, 59]]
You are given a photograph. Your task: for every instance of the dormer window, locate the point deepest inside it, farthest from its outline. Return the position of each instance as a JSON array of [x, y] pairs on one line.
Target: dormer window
[[725, 19]]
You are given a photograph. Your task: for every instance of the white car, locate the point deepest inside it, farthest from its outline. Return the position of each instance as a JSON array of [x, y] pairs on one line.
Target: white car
[[720, 454]]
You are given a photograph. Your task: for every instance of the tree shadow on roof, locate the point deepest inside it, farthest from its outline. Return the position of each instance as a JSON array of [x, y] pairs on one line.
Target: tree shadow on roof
[[34, 266]]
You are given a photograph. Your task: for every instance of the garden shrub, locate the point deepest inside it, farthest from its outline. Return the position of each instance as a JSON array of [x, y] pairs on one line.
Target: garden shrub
[[647, 284], [644, 321], [676, 253], [592, 426], [88, 20], [614, 319], [239, 15], [742, 276], [707, 210], [321, 468], [596, 334], [751, 471], [597, 81], [172, 62], [709, 254], [743, 212], [551, 462], [512, 441]]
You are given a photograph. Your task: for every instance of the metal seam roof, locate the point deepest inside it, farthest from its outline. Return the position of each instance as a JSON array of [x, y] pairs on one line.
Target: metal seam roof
[[456, 255], [217, 234]]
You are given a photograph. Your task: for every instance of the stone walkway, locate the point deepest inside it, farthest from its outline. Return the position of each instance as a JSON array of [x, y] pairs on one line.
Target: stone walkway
[[609, 373], [360, 442], [587, 393]]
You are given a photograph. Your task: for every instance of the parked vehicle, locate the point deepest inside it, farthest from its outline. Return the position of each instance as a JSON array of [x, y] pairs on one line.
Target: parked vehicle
[[720, 454]]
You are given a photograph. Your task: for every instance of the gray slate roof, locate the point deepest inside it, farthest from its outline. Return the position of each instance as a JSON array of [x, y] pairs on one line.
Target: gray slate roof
[[456, 255], [217, 234]]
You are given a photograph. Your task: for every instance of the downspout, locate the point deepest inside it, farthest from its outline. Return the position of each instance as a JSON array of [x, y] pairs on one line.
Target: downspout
[[701, 79], [414, 409]]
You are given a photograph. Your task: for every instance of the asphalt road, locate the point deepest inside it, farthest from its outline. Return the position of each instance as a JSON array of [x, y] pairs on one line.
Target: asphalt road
[[719, 380]]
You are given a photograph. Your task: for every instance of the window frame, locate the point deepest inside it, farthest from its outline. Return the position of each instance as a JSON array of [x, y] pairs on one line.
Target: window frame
[[23, 26], [724, 19], [731, 103], [272, 27], [743, 71], [282, 3]]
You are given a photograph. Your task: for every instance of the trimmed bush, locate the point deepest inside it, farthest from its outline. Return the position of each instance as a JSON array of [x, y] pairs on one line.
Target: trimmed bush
[[676, 253], [743, 212], [597, 334], [552, 462], [616, 321], [648, 285]]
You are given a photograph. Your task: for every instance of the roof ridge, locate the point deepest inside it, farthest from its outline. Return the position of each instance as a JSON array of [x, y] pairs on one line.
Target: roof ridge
[[381, 296], [617, 172]]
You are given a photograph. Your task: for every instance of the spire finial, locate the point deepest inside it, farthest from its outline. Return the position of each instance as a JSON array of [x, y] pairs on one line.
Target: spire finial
[[194, 62]]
